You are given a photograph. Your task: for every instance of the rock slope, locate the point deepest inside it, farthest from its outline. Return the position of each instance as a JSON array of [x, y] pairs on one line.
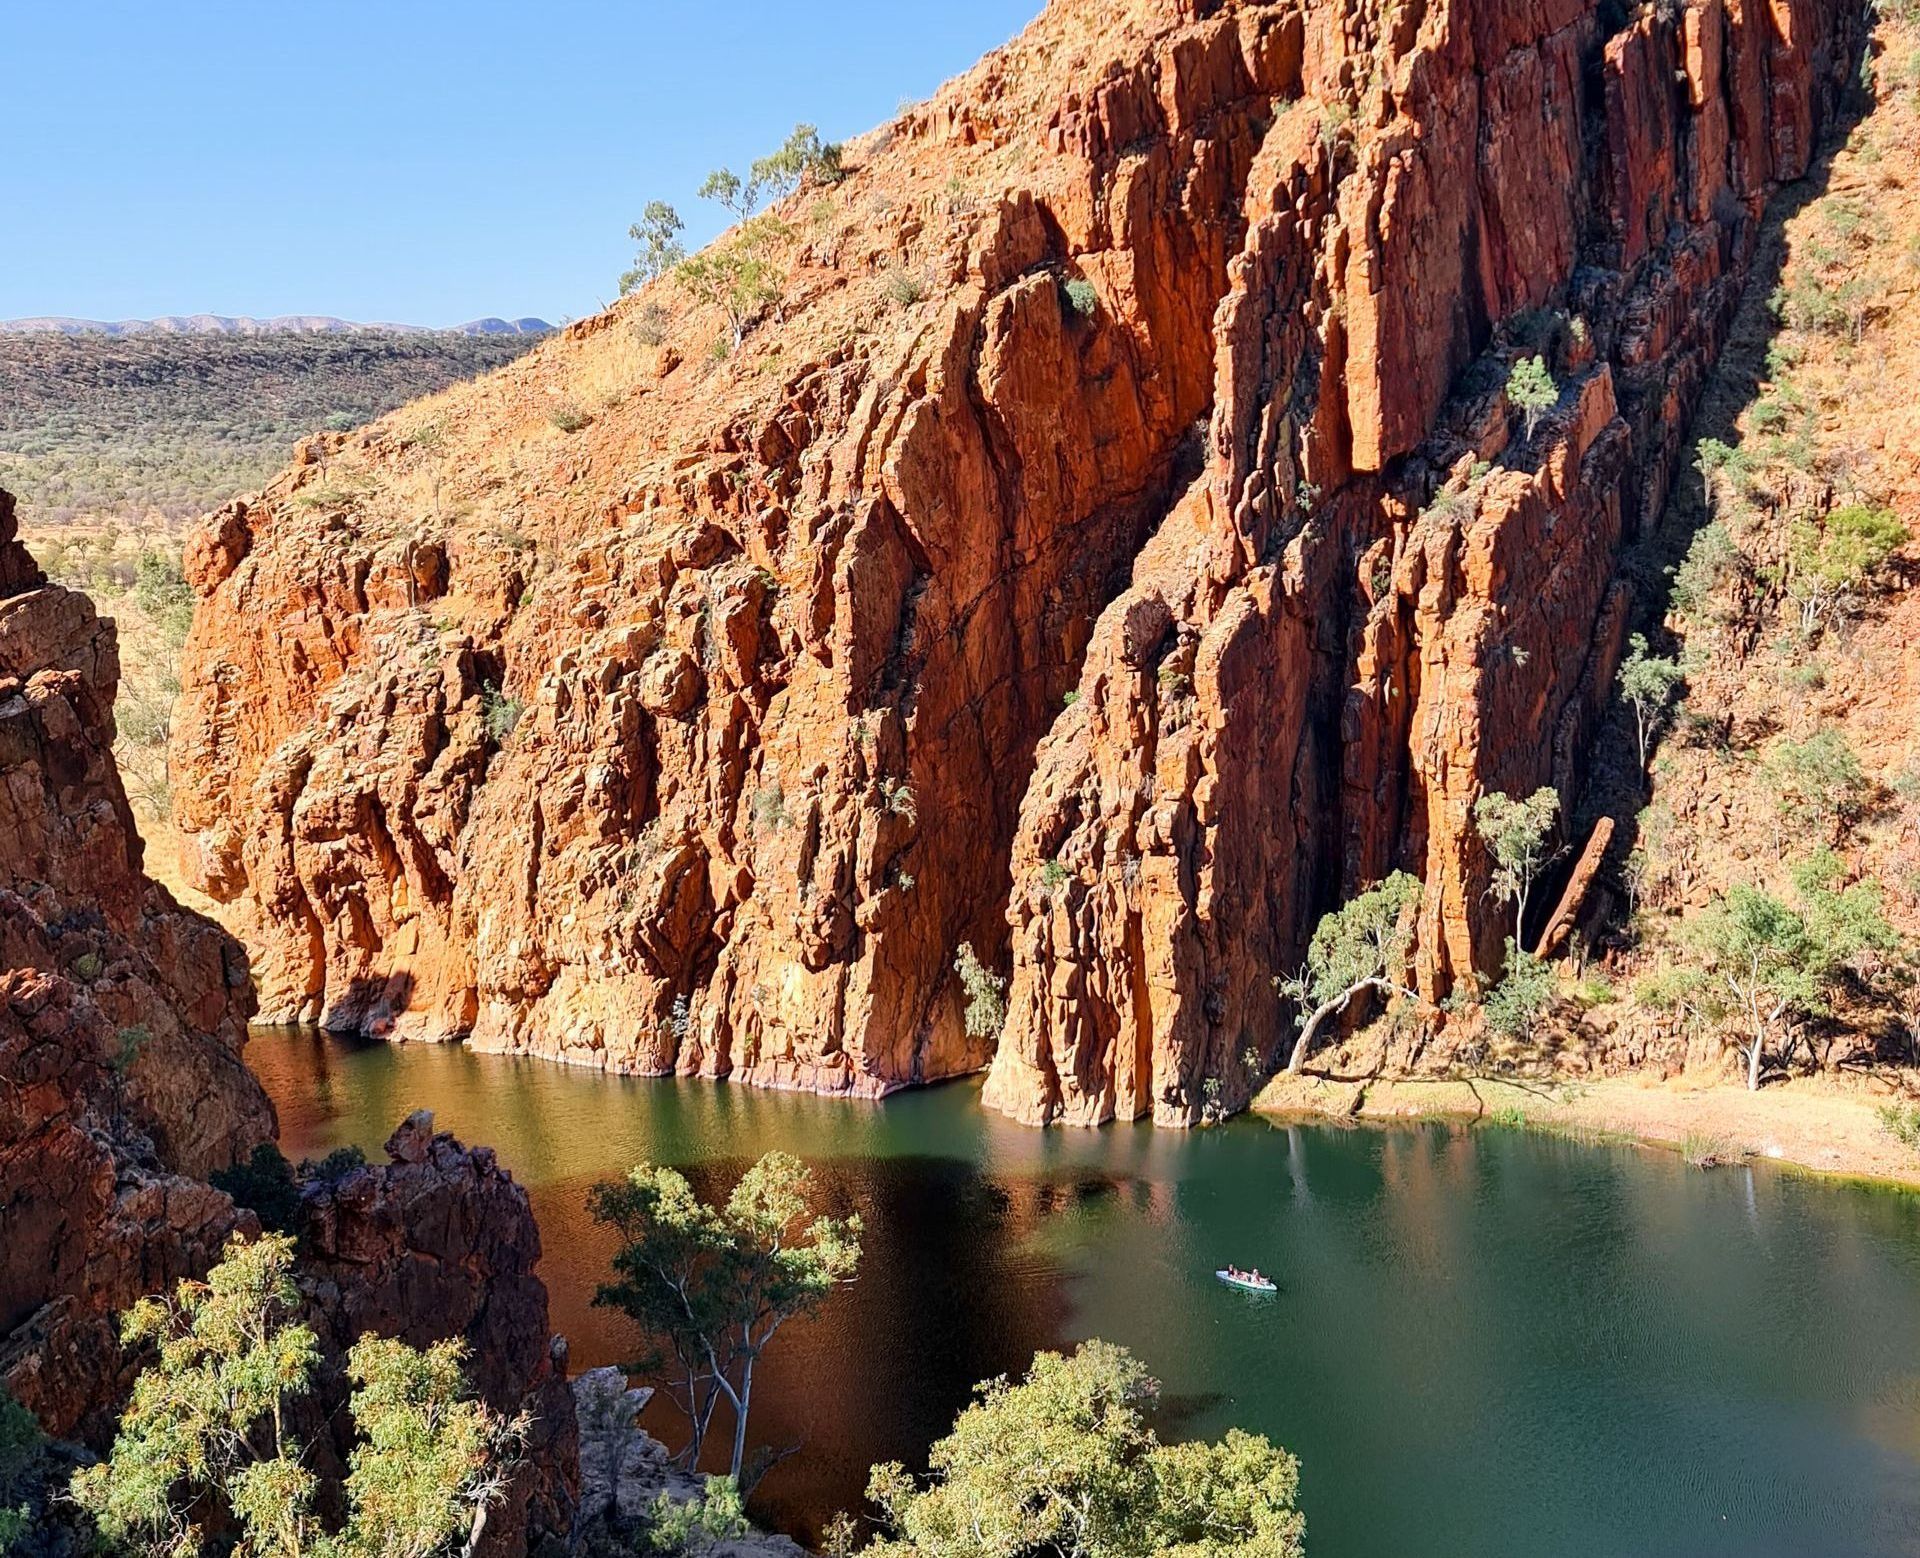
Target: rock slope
[[1055, 568]]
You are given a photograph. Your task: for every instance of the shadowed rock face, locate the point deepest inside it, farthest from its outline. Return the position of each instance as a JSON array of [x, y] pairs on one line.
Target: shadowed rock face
[[1126, 368]]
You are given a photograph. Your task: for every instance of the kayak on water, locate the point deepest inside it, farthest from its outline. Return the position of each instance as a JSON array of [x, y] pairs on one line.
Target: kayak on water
[[1250, 1280]]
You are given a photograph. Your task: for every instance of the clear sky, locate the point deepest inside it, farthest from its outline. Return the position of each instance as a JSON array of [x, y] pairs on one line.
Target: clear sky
[[421, 161]]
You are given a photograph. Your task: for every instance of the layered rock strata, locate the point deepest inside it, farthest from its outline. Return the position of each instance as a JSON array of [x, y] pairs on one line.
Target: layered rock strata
[[1382, 602], [1055, 569]]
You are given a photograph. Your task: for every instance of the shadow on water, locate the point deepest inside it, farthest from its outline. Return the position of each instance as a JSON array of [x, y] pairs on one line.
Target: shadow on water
[[1485, 1341]]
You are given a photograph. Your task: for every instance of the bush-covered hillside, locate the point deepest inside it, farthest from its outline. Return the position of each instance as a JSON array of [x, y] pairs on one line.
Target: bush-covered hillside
[[167, 426]]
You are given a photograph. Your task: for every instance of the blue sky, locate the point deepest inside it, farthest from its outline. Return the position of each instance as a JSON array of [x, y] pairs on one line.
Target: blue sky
[[413, 160]]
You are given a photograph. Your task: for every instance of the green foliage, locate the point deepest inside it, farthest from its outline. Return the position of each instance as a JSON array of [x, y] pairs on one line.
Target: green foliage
[[569, 419], [1064, 1463], [1712, 559], [1081, 297], [1901, 1122], [738, 275], [688, 1527], [1369, 937], [1819, 781], [708, 1287], [206, 1429], [905, 288], [335, 1166], [1777, 963], [429, 1456], [500, 713], [658, 235], [127, 1045], [802, 156], [1829, 563], [205, 1421], [173, 425], [1523, 996], [986, 994], [1517, 834], [264, 1184], [1363, 944], [1531, 389], [1648, 682], [21, 1445], [163, 593]]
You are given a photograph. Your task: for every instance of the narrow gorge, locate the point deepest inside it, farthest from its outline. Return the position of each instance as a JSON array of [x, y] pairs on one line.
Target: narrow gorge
[[1112, 549]]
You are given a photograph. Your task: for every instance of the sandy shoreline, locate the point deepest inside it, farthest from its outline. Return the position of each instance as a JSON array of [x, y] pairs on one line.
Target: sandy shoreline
[[1823, 1126]]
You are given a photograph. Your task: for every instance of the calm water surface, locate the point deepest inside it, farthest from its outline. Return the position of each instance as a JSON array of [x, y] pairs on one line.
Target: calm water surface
[[1488, 1342]]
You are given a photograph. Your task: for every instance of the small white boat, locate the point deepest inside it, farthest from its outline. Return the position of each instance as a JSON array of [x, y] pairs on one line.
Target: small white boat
[[1240, 1279]]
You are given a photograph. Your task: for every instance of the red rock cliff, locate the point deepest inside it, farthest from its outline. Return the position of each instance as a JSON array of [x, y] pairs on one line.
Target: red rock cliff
[[661, 712], [122, 1019]]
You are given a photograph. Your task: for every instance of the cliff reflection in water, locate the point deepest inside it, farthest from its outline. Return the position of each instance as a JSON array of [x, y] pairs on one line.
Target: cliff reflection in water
[[1488, 1341]]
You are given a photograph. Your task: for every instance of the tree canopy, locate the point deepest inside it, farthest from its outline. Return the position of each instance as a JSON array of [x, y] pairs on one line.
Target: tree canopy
[[1063, 1465], [1517, 834], [206, 1429], [709, 1286], [1365, 944]]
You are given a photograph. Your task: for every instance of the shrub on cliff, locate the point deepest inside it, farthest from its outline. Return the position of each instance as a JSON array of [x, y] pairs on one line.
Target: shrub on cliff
[[1769, 966], [1648, 683], [709, 1287], [1064, 1463], [738, 276], [1531, 389], [1830, 562], [204, 1441], [986, 994]]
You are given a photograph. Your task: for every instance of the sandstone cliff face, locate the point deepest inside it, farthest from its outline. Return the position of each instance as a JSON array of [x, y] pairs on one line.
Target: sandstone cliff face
[[1127, 368], [122, 1018], [77, 901], [1380, 603]]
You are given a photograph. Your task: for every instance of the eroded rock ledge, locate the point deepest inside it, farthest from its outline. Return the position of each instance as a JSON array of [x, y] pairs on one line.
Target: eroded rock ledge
[[1055, 569]]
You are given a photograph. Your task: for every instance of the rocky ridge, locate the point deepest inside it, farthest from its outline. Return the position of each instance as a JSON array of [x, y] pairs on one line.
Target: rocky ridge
[[1055, 570]]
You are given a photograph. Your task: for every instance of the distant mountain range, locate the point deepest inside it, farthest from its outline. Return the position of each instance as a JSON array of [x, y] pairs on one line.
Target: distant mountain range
[[285, 324]]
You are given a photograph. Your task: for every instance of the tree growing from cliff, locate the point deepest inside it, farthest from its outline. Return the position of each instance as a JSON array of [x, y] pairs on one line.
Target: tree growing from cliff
[[739, 276], [207, 1426], [1648, 682], [1779, 965], [986, 994], [1064, 1465], [658, 235], [1517, 834], [1364, 945], [1531, 389], [709, 1287], [803, 155]]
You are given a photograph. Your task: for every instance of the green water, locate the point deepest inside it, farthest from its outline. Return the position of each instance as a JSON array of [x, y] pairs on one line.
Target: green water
[[1486, 1342]]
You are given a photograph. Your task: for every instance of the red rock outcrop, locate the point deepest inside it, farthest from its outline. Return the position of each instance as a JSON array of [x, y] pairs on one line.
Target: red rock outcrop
[[440, 1242], [1381, 603], [93, 1220], [174, 984], [1055, 560], [122, 1018]]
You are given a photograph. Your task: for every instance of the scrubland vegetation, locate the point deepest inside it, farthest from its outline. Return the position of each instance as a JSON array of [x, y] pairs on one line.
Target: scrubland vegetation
[[163, 427]]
